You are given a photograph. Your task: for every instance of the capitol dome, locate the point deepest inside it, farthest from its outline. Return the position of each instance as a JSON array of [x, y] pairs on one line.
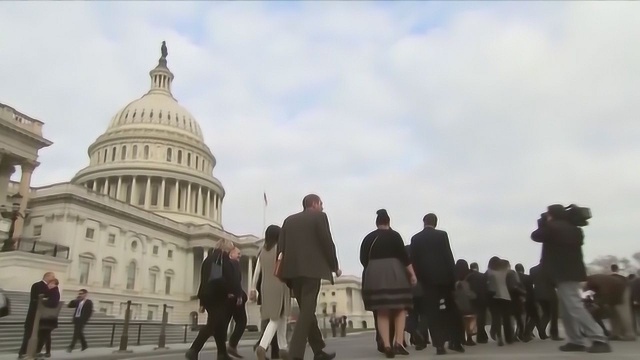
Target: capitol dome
[[153, 155]]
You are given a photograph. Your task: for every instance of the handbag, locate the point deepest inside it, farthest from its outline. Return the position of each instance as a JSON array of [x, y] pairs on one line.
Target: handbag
[[216, 268], [277, 269], [50, 313]]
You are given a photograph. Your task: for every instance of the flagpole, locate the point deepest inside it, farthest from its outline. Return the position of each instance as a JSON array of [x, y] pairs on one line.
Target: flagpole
[[264, 214]]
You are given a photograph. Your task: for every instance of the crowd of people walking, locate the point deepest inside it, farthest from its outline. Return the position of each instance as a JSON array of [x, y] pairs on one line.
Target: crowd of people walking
[[418, 288]]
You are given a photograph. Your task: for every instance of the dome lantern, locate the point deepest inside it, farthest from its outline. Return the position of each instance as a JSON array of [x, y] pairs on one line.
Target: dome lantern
[[161, 76]]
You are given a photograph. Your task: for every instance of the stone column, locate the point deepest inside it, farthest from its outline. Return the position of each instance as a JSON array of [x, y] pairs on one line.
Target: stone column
[[134, 193], [207, 205], [147, 193], [215, 209], [188, 208], [161, 195], [190, 274], [219, 208], [199, 207], [6, 171], [25, 187], [250, 273], [118, 187], [105, 189], [176, 197], [95, 185]]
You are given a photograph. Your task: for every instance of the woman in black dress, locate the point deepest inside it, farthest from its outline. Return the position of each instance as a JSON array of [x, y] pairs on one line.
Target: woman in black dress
[[49, 323], [387, 282]]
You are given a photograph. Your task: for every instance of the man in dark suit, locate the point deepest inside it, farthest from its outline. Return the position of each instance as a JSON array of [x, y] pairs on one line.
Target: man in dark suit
[[546, 297], [478, 284], [308, 255], [84, 310], [416, 322], [434, 264], [532, 319], [37, 289]]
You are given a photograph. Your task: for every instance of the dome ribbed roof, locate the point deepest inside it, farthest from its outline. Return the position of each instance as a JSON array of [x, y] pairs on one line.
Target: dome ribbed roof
[[157, 107]]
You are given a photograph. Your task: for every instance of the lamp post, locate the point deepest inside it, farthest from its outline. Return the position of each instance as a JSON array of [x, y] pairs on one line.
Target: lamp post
[[13, 214]]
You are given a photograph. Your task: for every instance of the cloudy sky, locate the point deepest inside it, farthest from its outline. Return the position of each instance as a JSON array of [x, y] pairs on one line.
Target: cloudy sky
[[483, 113]]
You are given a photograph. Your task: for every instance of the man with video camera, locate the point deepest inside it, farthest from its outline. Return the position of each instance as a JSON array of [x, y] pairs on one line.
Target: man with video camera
[[562, 261]]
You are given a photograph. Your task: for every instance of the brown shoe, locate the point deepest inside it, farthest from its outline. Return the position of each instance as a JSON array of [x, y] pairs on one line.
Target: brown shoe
[[261, 353], [284, 355], [234, 352]]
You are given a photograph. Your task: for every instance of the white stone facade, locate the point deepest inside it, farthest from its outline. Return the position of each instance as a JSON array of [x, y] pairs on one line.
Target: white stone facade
[[138, 221]]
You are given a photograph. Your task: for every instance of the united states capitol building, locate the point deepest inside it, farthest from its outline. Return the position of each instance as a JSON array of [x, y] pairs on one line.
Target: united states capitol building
[[137, 222]]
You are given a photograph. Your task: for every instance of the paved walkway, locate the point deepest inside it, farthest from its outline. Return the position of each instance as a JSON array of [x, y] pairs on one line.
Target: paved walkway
[[362, 347]]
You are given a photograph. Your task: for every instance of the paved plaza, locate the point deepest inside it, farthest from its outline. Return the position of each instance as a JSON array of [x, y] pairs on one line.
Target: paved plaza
[[362, 347]]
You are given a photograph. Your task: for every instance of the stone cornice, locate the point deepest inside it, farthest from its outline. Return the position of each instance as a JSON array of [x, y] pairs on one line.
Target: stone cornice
[[38, 141], [143, 168], [70, 193]]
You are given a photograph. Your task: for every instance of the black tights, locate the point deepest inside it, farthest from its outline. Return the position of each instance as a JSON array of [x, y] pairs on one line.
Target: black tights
[[218, 318], [501, 311]]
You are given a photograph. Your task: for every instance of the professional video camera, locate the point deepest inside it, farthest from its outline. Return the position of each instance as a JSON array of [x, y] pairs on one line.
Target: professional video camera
[[576, 215]]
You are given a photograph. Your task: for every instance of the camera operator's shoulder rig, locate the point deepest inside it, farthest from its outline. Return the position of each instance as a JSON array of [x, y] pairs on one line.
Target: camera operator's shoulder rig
[[574, 214]]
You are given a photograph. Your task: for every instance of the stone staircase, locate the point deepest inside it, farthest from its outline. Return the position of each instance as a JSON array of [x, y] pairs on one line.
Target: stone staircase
[[101, 331]]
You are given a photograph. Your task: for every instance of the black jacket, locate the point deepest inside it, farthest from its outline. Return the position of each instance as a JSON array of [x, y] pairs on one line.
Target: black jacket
[[432, 258], [543, 288], [562, 256], [37, 289], [478, 284], [213, 292], [85, 313]]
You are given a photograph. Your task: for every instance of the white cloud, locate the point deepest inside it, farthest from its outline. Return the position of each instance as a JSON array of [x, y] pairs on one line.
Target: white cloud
[[482, 114]]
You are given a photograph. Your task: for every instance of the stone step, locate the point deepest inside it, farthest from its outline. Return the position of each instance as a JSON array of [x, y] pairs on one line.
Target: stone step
[[61, 337]]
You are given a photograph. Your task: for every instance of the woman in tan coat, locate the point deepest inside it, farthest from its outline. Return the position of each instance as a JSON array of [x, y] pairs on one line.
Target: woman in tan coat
[[276, 296]]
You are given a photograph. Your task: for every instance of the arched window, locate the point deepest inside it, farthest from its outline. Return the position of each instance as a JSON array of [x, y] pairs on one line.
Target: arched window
[[169, 153], [189, 159], [146, 152], [203, 168], [131, 275], [197, 161], [123, 154], [104, 159], [113, 154], [134, 152], [179, 156]]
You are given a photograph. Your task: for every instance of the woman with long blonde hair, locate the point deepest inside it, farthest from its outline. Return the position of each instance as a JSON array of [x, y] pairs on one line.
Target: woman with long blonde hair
[[218, 293]]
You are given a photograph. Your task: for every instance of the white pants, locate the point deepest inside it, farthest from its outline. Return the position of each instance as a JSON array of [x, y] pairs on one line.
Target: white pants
[[279, 326]]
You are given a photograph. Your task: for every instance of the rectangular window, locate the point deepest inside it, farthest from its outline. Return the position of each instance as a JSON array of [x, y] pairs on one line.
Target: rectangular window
[[170, 254], [112, 239], [153, 279], [155, 250], [167, 285], [89, 233], [106, 276], [84, 272], [37, 230]]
